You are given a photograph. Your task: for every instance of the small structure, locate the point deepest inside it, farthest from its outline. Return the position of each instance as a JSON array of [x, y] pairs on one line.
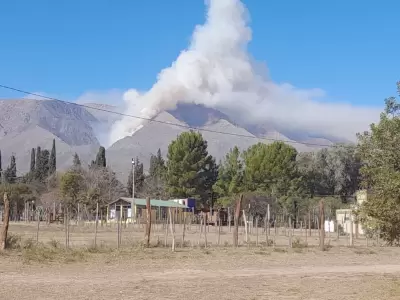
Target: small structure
[[121, 209], [345, 217], [189, 202]]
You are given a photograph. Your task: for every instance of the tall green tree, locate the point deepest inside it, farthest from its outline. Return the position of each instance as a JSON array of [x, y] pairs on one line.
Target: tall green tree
[[271, 170], [187, 166], [11, 172], [157, 165], [380, 152], [154, 184], [230, 177], [42, 164], [38, 164], [100, 160], [33, 161], [71, 184], [52, 160]]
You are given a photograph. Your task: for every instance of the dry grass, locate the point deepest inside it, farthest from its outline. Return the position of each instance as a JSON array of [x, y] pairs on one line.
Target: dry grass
[[192, 272]]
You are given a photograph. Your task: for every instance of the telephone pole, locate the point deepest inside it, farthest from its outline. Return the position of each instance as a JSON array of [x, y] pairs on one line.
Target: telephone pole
[[133, 190]]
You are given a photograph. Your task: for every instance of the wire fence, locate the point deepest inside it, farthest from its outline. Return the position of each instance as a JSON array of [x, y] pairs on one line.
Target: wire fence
[[179, 228]]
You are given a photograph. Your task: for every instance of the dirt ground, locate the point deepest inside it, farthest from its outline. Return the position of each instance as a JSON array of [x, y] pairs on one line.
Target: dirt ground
[[217, 272]]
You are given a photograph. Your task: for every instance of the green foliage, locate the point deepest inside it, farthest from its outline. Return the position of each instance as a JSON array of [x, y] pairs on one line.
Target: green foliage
[[52, 160], [71, 186], [100, 158], [10, 174], [380, 152], [154, 184], [230, 177], [271, 168], [139, 178], [18, 193], [188, 166], [41, 165], [33, 161], [157, 165], [333, 171]]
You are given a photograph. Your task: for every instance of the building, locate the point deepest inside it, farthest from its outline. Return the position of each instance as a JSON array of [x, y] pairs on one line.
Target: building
[[189, 202], [345, 217], [120, 209]]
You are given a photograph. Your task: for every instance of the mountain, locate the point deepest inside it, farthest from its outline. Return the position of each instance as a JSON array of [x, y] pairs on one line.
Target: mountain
[[27, 123]]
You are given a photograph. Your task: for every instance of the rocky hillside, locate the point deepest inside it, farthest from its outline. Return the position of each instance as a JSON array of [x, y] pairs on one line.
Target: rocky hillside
[[25, 124]]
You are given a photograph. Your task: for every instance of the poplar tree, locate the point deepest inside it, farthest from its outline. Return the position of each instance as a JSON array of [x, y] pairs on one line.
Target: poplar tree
[[52, 160]]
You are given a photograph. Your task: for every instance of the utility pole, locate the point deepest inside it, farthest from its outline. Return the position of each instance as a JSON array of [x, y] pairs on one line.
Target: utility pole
[[133, 189]]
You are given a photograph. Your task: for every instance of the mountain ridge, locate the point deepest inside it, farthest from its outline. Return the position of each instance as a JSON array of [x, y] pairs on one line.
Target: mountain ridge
[[28, 123]]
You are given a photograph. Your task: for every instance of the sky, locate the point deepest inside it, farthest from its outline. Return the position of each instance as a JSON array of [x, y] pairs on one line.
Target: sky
[[68, 49]]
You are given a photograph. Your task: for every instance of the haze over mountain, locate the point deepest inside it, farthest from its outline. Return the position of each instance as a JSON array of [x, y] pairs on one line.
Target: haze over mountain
[[27, 123]]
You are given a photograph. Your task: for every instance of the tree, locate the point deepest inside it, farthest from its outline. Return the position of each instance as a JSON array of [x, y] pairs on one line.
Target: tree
[[210, 175], [71, 187], [10, 175], [331, 172], [38, 164], [157, 165], [43, 166], [99, 185], [139, 178], [380, 153], [33, 159], [18, 194], [187, 166], [76, 162], [52, 160], [230, 177], [100, 160], [271, 170]]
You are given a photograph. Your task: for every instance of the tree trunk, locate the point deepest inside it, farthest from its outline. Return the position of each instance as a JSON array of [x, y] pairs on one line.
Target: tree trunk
[[236, 221], [4, 230], [148, 221]]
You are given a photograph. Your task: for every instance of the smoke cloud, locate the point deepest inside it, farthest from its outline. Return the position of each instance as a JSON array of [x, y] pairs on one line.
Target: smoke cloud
[[217, 71]]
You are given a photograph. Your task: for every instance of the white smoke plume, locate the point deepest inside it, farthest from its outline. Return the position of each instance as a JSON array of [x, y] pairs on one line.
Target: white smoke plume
[[217, 71]]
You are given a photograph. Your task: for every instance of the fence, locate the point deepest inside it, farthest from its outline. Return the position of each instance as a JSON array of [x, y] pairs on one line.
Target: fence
[[80, 228]]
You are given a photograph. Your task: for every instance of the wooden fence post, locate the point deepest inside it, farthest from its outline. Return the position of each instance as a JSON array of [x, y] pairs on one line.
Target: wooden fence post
[[6, 222], [322, 226], [148, 221], [236, 221]]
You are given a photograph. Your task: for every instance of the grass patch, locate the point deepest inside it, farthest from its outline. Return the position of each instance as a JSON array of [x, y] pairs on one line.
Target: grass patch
[[42, 253], [297, 243], [279, 250], [363, 251]]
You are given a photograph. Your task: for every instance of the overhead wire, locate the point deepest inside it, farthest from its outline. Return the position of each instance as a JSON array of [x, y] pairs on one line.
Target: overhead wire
[[168, 123]]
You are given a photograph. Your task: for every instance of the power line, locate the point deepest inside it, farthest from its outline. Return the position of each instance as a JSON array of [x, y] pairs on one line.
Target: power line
[[164, 122]]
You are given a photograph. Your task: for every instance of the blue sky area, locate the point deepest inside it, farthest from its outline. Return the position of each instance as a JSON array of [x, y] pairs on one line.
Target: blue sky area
[[65, 48]]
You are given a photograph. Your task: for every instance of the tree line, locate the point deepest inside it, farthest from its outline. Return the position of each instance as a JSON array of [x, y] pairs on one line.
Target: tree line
[[274, 174]]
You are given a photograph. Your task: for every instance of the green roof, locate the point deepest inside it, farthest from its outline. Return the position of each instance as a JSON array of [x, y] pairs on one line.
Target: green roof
[[155, 202]]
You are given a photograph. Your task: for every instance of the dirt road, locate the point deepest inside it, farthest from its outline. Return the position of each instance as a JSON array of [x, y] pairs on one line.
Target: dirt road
[[207, 276]]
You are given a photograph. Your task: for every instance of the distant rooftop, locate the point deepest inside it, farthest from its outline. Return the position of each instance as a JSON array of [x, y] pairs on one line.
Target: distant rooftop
[[153, 202]]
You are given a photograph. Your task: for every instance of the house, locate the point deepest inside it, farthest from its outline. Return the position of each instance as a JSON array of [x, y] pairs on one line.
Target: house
[[120, 209], [345, 217]]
